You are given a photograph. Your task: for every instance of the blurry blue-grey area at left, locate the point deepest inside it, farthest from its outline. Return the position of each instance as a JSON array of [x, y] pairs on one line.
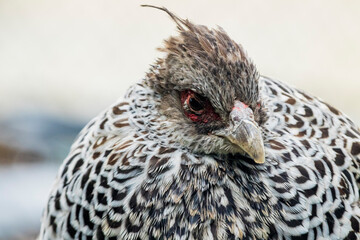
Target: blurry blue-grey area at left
[[32, 146]]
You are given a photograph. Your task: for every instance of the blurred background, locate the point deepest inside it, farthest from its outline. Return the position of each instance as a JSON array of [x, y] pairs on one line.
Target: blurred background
[[64, 61]]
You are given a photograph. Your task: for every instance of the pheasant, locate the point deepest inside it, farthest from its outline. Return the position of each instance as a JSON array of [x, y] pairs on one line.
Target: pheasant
[[204, 147]]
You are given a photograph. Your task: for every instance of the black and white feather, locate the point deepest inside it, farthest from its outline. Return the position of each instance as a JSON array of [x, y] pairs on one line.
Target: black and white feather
[[151, 167]]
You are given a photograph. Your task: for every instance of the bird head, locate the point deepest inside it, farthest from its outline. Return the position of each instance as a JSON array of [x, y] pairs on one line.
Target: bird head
[[209, 92]]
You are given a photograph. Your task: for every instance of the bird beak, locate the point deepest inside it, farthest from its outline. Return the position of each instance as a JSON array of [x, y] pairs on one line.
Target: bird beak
[[244, 132]]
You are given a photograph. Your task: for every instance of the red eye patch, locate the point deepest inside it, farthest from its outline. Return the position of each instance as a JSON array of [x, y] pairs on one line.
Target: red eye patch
[[198, 108]]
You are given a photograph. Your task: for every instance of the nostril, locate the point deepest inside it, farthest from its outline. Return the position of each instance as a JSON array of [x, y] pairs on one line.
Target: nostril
[[240, 111], [236, 118]]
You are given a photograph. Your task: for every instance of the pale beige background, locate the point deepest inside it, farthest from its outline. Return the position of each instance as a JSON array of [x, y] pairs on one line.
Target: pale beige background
[[75, 57]]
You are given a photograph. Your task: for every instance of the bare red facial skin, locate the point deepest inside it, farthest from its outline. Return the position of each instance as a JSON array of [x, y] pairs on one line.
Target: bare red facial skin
[[205, 115], [243, 106]]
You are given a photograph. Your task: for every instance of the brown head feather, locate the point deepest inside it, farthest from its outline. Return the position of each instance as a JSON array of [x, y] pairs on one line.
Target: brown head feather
[[208, 62]]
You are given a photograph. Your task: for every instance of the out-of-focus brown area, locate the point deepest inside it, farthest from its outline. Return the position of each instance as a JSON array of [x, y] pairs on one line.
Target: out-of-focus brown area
[[25, 236], [11, 155]]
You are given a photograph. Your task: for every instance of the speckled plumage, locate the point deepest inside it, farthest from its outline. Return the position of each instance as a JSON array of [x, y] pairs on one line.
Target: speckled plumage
[[143, 170]]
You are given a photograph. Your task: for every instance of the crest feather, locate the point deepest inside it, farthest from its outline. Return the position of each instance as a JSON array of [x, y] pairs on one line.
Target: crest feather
[[182, 24]]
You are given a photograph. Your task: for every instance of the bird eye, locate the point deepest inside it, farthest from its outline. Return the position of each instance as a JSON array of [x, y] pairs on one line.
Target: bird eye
[[195, 105], [198, 108]]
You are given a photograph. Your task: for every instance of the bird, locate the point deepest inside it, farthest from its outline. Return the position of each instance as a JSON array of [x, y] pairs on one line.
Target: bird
[[204, 147]]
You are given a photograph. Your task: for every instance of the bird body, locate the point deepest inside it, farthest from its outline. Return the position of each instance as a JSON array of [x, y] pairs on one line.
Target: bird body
[[205, 148]]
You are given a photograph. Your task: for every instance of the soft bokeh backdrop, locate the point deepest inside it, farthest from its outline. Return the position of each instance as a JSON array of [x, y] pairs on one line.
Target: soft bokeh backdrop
[[63, 61]]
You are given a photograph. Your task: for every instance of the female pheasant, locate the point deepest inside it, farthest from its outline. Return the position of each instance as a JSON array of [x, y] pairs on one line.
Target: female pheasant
[[206, 148]]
